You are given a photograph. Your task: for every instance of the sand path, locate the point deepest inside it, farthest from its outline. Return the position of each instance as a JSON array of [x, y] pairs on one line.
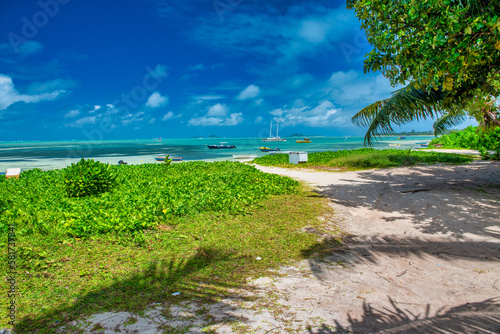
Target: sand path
[[423, 253], [424, 256]]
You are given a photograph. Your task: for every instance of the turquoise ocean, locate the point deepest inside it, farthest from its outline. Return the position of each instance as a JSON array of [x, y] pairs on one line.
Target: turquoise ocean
[[59, 154]]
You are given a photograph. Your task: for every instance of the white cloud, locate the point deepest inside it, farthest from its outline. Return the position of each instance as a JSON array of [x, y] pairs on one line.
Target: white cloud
[[167, 116], [202, 98], [217, 110], [323, 115], [232, 120], [248, 93], [133, 118], [82, 121], [160, 71], [48, 86], [96, 107], [314, 31], [72, 113], [300, 30], [356, 88], [197, 67], [9, 95], [156, 100]]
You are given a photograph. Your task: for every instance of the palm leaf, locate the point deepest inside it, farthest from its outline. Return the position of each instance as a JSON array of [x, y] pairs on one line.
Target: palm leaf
[[447, 121], [405, 105]]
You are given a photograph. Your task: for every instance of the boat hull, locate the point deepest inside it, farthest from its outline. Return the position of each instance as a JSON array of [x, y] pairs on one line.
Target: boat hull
[[267, 149], [303, 141], [214, 147], [273, 139]]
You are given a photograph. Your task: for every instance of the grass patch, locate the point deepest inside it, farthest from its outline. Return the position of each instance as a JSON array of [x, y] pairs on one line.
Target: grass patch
[[201, 254], [365, 158]]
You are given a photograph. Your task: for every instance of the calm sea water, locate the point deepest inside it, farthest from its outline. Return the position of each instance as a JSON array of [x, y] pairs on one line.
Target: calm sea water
[[49, 155]]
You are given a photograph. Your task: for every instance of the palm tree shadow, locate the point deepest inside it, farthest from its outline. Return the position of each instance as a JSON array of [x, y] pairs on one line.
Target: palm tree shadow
[[481, 317], [136, 293], [450, 195]]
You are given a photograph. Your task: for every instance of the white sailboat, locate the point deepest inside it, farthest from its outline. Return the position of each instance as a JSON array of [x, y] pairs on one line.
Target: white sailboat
[[271, 138]]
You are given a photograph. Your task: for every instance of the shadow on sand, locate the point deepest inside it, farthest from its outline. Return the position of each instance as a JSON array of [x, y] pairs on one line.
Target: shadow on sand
[[443, 209], [482, 317]]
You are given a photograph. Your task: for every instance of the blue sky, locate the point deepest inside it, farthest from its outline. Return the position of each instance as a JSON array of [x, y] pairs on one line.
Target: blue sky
[[74, 69]]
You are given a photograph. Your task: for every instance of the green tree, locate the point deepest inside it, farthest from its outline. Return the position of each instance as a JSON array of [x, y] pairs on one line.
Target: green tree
[[446, 52]]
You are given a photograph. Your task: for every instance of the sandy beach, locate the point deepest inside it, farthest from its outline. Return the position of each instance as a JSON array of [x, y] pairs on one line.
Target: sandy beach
[[422, 256]]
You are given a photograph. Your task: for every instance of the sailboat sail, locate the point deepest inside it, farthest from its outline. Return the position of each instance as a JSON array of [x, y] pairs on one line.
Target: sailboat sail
[[271, 138]]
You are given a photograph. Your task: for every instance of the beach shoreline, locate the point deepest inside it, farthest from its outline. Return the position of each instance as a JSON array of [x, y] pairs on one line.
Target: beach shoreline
[[57, 155]]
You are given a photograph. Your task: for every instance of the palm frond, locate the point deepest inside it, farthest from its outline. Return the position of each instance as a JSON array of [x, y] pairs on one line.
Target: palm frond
[[405, 105], [447, 121]]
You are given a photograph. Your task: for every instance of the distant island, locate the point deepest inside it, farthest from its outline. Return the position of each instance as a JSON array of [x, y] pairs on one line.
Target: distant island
[[301, 135], [420, 133], [201, 137]]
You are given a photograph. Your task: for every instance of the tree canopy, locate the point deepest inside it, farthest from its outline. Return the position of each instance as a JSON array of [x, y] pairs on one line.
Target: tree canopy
[[450, 43], [446, 52]]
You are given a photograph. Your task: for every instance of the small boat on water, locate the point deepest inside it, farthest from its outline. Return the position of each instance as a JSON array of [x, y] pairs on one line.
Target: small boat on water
[[267, 149], [245, 156], [401, 137], [159, 158], [271, 138], [220, 146], [305, 140]]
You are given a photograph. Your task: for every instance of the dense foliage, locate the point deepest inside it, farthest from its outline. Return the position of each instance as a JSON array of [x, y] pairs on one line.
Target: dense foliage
[[87, 178], [453, 44], [365, 158], [470, 138], [447, 53], [144, 196]]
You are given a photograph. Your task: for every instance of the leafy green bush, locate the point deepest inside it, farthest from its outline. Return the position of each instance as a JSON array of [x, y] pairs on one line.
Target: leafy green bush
[[365, 158], [87, 178], [148, 195], [485, 155], [470, 138]]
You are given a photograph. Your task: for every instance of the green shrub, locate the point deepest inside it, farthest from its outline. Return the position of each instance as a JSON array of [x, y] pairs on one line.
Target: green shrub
[[485, 155], [470, 138], [88, 177], [365, 158], [147, 196]]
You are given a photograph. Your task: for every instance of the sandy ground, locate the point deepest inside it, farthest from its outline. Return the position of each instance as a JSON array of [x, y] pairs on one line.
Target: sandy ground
[[423, 257]]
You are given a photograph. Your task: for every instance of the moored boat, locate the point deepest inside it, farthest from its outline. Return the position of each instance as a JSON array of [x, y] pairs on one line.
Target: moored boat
[[267, 149], [220, 146], [271, 138]]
